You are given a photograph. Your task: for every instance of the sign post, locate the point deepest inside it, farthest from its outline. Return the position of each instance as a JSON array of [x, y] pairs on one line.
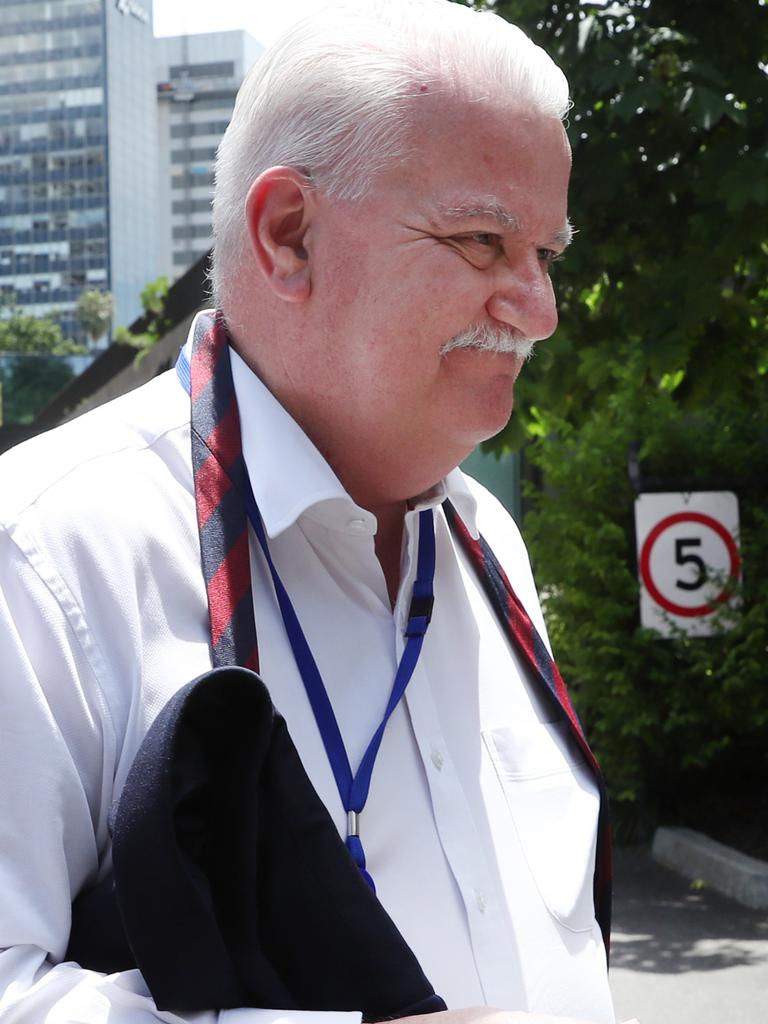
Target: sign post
[[688, 559]]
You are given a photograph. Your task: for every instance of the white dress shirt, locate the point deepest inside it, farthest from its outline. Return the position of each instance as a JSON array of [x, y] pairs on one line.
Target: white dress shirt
[[480, 825]]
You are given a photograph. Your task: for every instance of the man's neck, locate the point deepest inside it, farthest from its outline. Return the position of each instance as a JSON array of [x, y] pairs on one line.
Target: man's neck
[[371, 467], [388, 544]]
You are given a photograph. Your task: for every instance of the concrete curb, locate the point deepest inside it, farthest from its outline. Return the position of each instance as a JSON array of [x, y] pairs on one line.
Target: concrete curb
[[694, 855]]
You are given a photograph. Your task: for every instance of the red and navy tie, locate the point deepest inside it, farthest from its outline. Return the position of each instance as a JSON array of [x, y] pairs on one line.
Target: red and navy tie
[[219, 469], [219, 472]]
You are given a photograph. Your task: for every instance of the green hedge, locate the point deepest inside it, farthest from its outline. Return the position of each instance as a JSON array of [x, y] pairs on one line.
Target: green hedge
[[668, 718]]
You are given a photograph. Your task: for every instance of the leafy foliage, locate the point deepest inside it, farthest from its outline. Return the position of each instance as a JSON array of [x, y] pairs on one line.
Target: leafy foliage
[[669, 196], [153, 297], [29, 382], [20, 332], [658, 711], [94, 311], [33, 371]]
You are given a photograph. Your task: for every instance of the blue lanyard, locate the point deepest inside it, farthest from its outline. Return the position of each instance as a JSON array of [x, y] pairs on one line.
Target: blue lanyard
[[353, 788]]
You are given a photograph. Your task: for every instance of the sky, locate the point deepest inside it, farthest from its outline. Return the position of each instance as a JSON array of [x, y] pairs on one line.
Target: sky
[[264, 19]]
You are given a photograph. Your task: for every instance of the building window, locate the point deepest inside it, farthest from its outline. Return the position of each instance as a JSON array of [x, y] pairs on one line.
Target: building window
[[192, 180], [192, 206], [187, 131], [192, 231], [186, 257], [222, 69], [184, 156]]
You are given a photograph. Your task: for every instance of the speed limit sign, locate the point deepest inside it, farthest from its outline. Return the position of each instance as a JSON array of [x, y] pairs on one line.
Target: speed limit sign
[[688, 558]]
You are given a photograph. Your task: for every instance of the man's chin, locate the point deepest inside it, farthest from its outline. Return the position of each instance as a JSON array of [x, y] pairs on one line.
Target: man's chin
[[491, 418]]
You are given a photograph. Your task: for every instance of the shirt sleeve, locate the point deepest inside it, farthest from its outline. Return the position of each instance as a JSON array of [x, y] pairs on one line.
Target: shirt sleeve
[[57, 762]]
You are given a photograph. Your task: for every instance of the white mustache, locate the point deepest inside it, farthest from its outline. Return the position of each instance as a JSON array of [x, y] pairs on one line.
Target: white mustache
[[490, 338]]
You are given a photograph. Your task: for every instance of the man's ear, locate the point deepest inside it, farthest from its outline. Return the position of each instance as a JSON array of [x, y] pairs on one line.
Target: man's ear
[[279, 210]]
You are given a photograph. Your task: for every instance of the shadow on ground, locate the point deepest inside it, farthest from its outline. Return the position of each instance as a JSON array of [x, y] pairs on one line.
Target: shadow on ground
[[663, 925]]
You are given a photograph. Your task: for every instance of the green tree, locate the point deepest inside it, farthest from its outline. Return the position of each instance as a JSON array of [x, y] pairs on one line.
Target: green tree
[[20, 332], [669, 196], [31, 381], [94, 311], [153, 298], [32, 369], [676, 719]]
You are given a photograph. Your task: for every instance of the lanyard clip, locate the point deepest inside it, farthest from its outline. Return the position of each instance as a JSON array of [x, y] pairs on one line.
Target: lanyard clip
[[420, 611]]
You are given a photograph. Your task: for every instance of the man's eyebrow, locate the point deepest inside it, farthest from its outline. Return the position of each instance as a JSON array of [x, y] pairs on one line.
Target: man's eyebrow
[[490, 208], [564, 236], [485, 208]]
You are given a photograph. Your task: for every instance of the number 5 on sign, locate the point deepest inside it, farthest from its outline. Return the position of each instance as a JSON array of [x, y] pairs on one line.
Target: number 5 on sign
[[688, 559]]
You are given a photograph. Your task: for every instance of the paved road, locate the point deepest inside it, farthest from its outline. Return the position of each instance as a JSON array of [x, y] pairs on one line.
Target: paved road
[[682, 955]]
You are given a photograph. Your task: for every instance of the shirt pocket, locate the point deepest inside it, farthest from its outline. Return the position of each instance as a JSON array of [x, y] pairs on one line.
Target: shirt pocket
[[554, 804]]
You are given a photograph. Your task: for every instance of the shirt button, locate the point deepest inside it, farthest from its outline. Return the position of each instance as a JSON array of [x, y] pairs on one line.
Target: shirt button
[[358, 525], [481, 902], [437, 759]]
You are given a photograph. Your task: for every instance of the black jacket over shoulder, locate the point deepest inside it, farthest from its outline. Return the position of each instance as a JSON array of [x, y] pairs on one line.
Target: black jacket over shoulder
[[230, 885]]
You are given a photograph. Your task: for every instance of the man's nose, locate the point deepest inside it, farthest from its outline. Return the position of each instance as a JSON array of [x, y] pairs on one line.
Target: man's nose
[[524, 299]]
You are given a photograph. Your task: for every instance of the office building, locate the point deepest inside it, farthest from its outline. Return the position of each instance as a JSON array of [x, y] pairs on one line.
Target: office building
[[78, 154], [198, 77]]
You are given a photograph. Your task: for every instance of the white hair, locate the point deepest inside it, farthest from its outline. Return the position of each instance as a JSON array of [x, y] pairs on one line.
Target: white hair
[[491, 338], [333, 96]]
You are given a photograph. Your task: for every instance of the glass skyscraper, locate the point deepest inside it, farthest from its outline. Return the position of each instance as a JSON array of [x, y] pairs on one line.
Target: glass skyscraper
[[197, 80], [78, 154]]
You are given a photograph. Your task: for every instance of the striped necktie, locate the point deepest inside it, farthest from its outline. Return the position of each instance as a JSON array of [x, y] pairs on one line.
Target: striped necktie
[[219, 471]]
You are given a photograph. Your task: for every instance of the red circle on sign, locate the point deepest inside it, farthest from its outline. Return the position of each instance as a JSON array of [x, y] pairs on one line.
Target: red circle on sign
[[645, 562]]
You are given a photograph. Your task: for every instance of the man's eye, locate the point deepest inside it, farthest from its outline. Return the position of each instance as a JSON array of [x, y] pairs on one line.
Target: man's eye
[[548, 257], [481, 248], [486, 238], [486, 241]]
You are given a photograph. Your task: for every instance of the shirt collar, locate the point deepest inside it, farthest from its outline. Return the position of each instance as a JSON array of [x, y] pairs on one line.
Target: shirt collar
[[290, 477], [455, 488], [288, 474]]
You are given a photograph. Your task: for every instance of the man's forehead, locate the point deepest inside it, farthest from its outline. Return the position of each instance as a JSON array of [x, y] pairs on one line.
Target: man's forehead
[[487, 208]]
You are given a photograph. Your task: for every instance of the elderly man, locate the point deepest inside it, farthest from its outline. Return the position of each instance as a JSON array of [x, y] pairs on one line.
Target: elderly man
[[390, 196]]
